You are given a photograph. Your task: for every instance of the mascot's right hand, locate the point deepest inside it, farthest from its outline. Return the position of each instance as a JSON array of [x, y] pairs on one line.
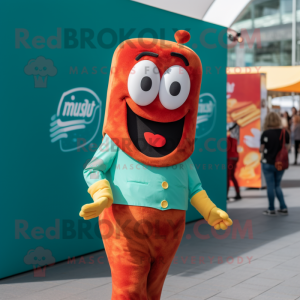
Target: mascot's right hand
[[102, 195]]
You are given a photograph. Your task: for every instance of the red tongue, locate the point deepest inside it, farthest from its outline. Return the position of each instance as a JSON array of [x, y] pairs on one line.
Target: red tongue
[[155, 140]]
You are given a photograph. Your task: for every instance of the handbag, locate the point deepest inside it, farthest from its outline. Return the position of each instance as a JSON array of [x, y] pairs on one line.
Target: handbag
[[282, 157]]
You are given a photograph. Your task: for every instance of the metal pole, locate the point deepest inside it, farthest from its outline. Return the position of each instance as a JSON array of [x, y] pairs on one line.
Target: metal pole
[[294, 37], [294, 34]]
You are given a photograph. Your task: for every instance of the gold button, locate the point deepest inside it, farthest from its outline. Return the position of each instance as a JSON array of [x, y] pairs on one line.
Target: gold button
[[164, 204], [165, 185]]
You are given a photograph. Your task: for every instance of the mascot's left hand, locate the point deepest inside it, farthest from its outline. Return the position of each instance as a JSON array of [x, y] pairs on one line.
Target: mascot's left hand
[[219, 219], [214, 216]]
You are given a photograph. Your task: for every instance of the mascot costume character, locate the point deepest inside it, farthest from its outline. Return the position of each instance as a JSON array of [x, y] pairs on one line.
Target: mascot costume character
[[142, 177]]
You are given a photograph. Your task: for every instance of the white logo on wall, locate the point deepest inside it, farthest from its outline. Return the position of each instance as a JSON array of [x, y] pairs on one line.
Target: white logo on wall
[[206, 118], [230, 89], [77, 120], [39, 258], [40, 68]]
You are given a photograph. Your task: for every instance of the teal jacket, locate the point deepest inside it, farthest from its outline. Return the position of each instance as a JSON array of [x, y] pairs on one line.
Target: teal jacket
[[133, 183]]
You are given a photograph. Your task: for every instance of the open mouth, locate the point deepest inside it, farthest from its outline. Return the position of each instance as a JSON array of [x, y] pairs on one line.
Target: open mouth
[[154, 139]]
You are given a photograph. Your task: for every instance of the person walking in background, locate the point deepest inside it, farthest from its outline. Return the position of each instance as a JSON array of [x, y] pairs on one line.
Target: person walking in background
[[294, 111], [286, 121], [295, 130], [232, 159], [271, 144]]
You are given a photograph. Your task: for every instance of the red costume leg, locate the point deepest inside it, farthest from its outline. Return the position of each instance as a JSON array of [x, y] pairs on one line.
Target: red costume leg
[[164, 250], [140, 244]]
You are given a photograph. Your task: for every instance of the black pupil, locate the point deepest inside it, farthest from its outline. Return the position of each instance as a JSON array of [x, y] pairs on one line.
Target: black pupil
[[175, 88], [146, 83]]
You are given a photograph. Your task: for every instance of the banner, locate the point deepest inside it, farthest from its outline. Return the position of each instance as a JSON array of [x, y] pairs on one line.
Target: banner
[[55, 71], [246, 108]]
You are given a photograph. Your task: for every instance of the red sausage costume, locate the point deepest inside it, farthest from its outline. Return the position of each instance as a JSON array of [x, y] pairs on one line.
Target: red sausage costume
[[142, 177]]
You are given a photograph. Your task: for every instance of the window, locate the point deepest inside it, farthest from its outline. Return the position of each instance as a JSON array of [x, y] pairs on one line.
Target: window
[[286, 11], [286, 6], [286, 53], [276, 44], [244, 21], [231, 61], [267, 8], [267, 13], [246, 15], [268, 54]]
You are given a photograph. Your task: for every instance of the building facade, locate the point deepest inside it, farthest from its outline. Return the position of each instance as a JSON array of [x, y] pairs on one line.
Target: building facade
[[269, 25]]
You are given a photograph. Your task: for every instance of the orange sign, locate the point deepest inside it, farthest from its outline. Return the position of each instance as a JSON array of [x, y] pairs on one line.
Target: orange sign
[[244, 107]]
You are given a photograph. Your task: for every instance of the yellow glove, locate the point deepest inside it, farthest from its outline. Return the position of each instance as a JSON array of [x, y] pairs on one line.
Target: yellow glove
[[214, 216], [219, 219], [101, 193]]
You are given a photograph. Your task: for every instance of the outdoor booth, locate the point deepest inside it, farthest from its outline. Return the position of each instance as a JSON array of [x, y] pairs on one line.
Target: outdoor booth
[[249, 90], [61, 58]]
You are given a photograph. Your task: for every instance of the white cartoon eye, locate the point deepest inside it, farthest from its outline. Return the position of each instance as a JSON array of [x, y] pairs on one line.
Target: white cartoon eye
[[174, 87], [143, 82]]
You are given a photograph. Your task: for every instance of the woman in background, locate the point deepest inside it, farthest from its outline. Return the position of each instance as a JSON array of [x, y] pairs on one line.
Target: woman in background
[[270, 146], [286, 121], [294, 113], [296, 135]]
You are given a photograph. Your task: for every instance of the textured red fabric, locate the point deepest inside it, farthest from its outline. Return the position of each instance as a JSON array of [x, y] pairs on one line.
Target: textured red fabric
[[140, 243], [182, 36], [115, 121], [232, 148]]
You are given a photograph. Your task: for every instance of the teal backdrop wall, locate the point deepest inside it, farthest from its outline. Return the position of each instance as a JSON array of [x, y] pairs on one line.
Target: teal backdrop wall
[[42, 67]]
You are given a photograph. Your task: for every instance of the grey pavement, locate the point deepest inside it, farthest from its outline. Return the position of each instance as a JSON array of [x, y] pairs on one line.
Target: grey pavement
[[258, 258]]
